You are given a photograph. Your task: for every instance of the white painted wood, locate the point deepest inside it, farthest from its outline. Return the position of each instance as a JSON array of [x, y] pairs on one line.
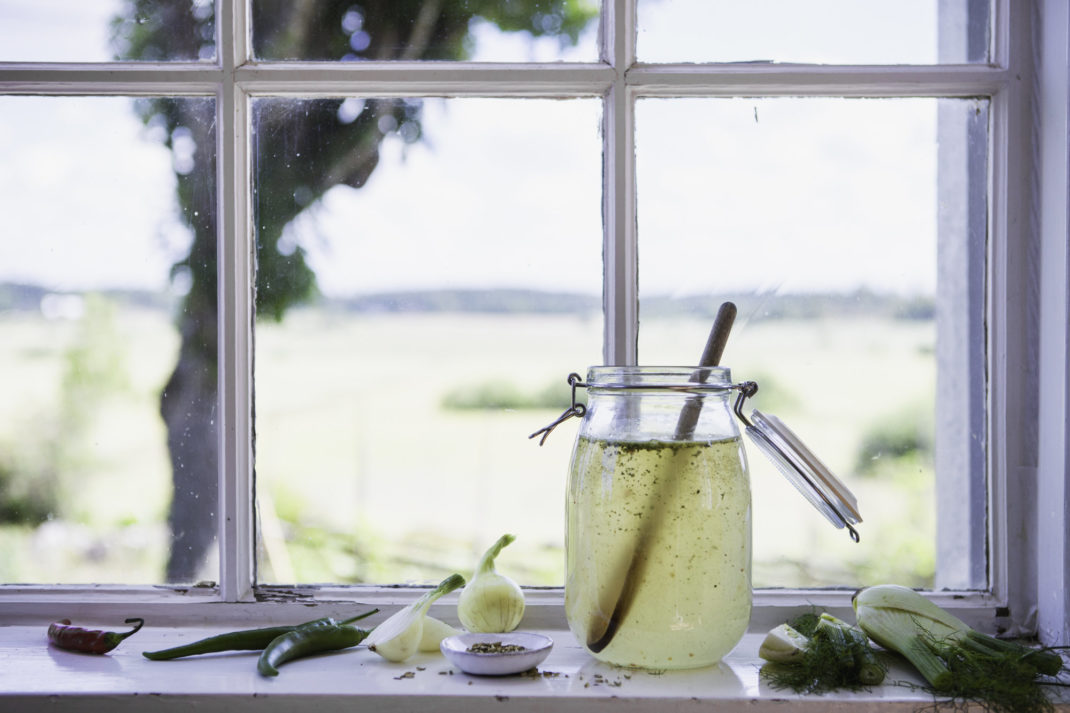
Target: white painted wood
[[38, 676], [1012, 330], [960, 433], [180, 607], [774, 79], [620, 285], [1053, 494], [1013, 264], [235, 259]]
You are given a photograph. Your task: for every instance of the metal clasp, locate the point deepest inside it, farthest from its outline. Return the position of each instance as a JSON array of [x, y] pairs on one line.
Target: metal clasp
[[576, 409], [746, 390]]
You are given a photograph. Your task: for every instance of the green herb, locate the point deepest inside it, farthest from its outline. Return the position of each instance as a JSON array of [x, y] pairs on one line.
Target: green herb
[[817, 653]]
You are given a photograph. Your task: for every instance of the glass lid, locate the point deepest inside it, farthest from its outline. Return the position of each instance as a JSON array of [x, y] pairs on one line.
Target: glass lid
[[800, 466]]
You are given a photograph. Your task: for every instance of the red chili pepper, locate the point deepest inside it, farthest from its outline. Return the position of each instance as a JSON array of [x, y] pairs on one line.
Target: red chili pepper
[[88, 641]]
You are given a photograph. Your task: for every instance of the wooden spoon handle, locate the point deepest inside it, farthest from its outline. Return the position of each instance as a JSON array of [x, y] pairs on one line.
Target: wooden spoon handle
[[602, 630]]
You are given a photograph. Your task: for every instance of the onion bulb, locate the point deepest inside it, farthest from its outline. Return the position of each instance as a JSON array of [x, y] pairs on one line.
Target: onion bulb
[[434, 632], [491, 603], [399, 637]]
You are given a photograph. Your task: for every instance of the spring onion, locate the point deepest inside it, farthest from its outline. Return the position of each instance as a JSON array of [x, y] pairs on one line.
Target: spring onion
[[491, 603], [398, 638], [955, 659]]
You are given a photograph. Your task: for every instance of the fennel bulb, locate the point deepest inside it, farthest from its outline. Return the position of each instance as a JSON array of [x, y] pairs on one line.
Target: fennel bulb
[[955, 659]]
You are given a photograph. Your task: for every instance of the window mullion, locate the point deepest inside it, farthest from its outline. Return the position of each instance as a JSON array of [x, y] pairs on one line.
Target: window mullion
[[621, 293], [728, 80], [235, 260], [1013, 334], [396, 79]]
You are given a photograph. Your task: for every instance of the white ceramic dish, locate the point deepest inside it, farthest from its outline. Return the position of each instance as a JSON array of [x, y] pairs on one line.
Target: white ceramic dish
[[536, 649]]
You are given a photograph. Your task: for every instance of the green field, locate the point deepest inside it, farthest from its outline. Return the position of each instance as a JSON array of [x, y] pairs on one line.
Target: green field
[[366, 474]]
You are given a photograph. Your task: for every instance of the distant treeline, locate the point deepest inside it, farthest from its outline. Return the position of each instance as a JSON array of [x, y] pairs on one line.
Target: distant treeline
[[780, 306], [21, 297], [16, 297]]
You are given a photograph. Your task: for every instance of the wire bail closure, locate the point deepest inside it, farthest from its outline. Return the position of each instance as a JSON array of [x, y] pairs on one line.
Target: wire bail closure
[[777, 442], [576, 409]]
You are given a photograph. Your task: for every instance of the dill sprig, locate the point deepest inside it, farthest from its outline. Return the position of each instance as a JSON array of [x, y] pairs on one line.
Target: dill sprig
[[836, 657], [996, 680]]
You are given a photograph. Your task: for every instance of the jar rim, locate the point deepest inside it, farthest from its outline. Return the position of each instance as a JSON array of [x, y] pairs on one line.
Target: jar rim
[[668, 378]]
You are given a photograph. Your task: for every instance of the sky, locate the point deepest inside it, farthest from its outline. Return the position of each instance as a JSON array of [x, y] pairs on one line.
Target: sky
[[806, 194]]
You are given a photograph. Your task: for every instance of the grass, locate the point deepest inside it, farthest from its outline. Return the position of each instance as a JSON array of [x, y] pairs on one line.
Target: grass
[[371, 479]]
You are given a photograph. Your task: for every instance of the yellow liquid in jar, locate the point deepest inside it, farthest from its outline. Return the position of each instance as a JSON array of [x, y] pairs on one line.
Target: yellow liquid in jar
[[682, 512]]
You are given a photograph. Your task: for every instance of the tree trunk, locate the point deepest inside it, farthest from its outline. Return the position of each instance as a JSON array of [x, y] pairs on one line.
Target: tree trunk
[[189, 408]]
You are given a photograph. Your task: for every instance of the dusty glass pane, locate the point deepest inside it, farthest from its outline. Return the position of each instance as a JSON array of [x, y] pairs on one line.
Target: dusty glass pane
[[481, 30], [107, 318], [820, 218], [106, 30], [429, 274], [821, 32]]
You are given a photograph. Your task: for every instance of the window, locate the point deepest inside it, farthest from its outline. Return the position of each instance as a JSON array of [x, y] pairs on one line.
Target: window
[[366, 205]]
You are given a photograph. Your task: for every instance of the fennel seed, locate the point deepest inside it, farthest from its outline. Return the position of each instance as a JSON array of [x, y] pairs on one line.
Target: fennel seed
[[495, 647]]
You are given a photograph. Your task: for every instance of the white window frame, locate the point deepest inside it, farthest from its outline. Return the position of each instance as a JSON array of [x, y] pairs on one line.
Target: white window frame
[[1027, 458]]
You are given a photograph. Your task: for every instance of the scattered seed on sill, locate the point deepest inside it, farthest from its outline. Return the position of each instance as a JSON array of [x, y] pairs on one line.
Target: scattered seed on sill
[[536, 673], [407, 674], [600, 680]]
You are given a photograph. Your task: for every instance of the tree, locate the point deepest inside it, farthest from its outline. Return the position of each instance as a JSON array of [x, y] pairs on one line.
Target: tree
[[336, 148]]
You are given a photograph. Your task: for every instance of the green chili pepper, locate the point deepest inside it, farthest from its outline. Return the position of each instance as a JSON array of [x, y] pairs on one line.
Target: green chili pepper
[[246, 640], [312, 638]]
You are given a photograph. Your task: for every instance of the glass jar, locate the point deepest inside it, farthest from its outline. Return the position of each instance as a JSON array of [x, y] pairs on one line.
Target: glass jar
[[658, 542]]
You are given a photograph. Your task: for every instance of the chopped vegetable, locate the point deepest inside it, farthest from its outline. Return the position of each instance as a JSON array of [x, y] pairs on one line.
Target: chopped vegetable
[[491, 603], [818, 653], [245, 640], [783, 644], [88, 641], [434, 632], [846, 638], [956, 660], [398, 638]]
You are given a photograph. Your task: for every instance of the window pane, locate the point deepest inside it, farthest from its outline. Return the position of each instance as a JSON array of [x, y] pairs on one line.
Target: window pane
[[435, 270], [106, 30], [820, 32], [107, 339], [820, 218], [482, 30]]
